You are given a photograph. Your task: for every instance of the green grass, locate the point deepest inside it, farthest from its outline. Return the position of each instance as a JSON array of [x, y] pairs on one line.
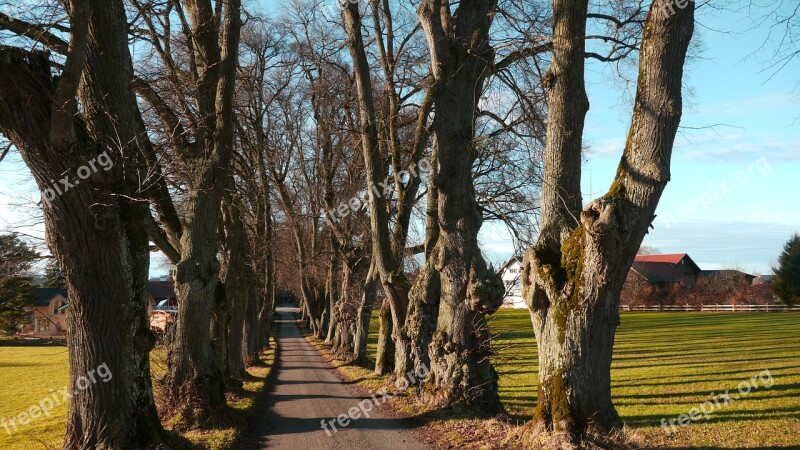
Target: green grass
[[665, 364], [29, 374]]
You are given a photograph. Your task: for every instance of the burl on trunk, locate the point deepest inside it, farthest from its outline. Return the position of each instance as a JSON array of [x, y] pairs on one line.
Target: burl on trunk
[[574, 274]]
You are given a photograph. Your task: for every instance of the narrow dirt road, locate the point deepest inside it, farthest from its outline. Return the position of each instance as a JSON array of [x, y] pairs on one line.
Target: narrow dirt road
[[307, 392]]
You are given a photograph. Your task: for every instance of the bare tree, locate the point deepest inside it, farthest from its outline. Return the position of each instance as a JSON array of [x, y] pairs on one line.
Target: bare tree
[[191, 94], [573, 276], [63, 125]]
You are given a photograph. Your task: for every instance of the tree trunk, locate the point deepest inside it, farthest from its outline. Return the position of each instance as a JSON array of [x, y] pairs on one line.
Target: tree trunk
[[332, 295], [384, 356], [389, 266], [194, 380], [96, 234], [252, 322], [365, 308], [423, 314], [460, 349], [573, 277], [237, 292], [424, 297]]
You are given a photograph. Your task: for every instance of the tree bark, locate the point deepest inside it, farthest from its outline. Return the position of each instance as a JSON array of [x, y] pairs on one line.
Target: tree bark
[[237, 283], [572, 278], [365, 308], [194, 380], [393, 279], [460, 57], [95, 229], [425, 294], [384, 356]]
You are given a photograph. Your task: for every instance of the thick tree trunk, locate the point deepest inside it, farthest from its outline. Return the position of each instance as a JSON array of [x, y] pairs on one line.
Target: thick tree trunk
[[365, 308], [95, 233], [384, 356], [237, 292], [573, 277], [220, 321], [423, 314], [251, 342], [460, 349], [194, 381]]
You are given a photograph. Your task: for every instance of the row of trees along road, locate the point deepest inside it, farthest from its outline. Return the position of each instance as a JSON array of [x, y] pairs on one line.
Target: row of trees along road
[[237, 136]]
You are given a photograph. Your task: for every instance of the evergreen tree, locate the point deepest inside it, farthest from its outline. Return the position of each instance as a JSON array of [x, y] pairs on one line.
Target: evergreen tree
[[787, 275], [16, 285], [53, 276]]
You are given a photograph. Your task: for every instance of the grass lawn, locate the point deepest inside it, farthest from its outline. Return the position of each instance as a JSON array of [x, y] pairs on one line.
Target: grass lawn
[[665, 364], [30, 373]]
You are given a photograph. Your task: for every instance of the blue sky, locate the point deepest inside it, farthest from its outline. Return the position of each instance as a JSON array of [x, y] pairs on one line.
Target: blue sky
[[733, 198]]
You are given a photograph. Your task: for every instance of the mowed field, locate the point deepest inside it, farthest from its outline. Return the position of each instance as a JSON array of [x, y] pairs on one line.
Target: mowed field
[[27, 376], [665, 364]]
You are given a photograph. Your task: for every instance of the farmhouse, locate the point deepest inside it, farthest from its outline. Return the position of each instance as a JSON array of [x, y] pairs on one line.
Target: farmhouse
[[510, 273], [664, 279], [665, 271], [49, 310], [48, 313], [677, 279]]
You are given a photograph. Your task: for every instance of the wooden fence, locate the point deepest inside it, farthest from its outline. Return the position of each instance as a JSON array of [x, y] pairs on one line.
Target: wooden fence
[[714, 308]]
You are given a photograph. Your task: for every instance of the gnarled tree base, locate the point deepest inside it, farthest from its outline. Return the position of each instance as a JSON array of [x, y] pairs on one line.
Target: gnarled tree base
[[536, 435]]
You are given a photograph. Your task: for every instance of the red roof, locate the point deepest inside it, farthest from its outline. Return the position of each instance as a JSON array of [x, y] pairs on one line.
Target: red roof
[[671, 259]]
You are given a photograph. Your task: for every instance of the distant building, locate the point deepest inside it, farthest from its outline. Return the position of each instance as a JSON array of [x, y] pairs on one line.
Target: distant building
[[664, 280], [48, 313], [49, 309], [511, 273], [666, 271], [735, 275], [677, 279]]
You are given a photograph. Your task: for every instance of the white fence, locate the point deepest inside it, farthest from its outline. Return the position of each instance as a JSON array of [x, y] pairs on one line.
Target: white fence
[[714, 308]]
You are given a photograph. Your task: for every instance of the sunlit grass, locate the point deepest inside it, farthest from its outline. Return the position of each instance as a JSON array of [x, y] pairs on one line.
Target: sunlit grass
[[665, 364], [29, 373]]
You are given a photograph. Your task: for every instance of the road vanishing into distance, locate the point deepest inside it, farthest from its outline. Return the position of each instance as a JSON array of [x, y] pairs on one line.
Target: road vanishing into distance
[[306, 392]]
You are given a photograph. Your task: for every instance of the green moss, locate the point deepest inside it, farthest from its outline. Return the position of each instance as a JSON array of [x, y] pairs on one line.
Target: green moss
[[572, 256], [616, 190], [553, 404]]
